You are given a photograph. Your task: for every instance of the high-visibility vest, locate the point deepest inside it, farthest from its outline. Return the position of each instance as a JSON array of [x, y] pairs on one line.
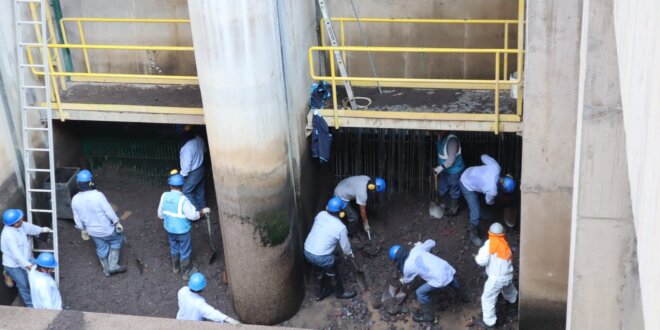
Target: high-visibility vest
[[458, 165], [175, 221]]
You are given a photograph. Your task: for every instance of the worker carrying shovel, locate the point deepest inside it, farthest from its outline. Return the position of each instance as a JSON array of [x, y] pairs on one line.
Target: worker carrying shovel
[[356, 188], [177, 211], [449, 169], [434, 270], [327, 232], [95, 218]]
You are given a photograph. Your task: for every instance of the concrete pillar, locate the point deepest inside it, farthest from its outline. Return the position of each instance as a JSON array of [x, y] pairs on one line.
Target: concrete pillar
[[551, 89], [604, 290], [239, 55]]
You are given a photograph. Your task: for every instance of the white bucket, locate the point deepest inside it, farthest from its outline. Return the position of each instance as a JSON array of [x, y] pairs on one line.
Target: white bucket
[[514, 88]]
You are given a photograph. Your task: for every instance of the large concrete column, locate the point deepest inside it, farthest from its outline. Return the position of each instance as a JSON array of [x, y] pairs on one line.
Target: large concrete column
[[551, 89], [604, 291], [238, 50]]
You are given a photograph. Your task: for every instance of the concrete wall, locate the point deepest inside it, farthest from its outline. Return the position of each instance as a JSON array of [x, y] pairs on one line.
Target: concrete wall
[[142, 62], [551, 89], [427, 35], [637, 28]]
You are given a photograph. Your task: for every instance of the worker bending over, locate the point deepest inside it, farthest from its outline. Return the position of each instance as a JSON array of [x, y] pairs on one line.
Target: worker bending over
[[95, 218], [17, 251], [434, 270], [495, 255], [193, 307], [177, 211], [43, 289], [485, 179], [356, 188], [191, 159], [327, 232], [451, 165]]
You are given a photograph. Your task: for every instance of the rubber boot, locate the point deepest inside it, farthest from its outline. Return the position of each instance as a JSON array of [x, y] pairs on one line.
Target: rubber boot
[[480, 322], [187, 268], [322, 289], [113, 262], [427, 314], [474, 236], [340, 293], [452, 210], [104, 265], [176, 264]]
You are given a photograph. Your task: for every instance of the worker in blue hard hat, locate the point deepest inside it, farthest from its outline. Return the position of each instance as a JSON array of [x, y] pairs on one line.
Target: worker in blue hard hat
[[43, 288], [434, 270], [327, 233], [193, 307], [191, 161], [449, 169], [95, 218], [357, 188], [487, 180], [177, 211], [17, 251]]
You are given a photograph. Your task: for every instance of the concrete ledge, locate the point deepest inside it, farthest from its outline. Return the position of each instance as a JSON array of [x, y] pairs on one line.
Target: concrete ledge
[[29, 318]]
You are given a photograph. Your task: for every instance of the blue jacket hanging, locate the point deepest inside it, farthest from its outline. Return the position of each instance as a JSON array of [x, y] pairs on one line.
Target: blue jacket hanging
[[321, 138]]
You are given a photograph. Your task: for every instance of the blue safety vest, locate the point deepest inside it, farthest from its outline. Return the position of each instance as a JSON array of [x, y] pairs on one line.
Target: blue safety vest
[[458, 165], [175, 221]]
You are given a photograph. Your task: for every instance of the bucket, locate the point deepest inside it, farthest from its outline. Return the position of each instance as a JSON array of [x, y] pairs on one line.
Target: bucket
[[514, 88]]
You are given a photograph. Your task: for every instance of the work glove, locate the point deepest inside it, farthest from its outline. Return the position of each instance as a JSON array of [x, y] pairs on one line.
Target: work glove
[[367, 228], [84, 235], [401, 281], [231, 321], [46, 230], [119, 228], [206, 211], [438, 169]]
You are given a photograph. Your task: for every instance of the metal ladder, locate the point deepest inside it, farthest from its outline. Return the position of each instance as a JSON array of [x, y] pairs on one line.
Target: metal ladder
[[340, 60], [36, 113]]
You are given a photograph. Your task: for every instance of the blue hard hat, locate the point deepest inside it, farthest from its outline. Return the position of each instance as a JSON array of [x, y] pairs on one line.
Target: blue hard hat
[[175, 180], [335, 204], [508, 184], [380, 185], [393, 250], [11, 216], [84, 176], [47, 260], [197, 282]]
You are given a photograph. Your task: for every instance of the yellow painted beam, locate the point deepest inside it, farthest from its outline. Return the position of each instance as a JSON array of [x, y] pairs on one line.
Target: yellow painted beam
[[439, 116], [504, 85], [132, 108], [154, 79]]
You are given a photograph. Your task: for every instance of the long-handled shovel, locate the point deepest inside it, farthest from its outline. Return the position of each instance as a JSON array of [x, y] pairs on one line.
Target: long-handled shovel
[[436, 210], [215, 252], [138, 261], [359, 275]]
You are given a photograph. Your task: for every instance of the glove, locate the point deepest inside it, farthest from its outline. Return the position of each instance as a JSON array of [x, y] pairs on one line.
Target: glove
[[231, 321], [367, 227], [401, 281], [46, 230], [438, 169], [84, 235], [119, 228], [206, 211]]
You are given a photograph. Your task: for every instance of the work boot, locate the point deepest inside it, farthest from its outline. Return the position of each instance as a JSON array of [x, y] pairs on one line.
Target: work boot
[[176, 264], [322, 289], [452, 210], [187, 268], [474, 236], [340, 293], [104, 265], [113, 262], [480, 322], [426, 314]]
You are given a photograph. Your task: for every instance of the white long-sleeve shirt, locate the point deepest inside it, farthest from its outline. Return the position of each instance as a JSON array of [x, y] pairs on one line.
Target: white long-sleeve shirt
[[15, 246], [326, 232], [495, 266], [191, 155], [433, 269], [43, 290], [93, 213], [353, 188], [483, 179], [193, 307]]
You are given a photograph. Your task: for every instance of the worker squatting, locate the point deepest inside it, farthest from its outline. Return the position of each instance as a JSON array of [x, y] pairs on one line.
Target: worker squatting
[[329, 236]]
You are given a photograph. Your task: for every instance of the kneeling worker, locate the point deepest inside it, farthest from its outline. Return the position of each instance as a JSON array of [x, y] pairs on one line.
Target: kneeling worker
[[327, 232], [42, 285], [193, 307], [434, 270]]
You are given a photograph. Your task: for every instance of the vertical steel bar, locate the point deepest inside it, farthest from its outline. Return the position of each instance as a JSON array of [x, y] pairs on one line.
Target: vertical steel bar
[[506, 55], [497, 93], [521, 40], [334, 90], [83, 42]]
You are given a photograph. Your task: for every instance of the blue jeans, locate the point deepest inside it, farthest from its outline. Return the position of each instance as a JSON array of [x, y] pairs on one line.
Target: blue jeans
[[449, 182], [194, 188], [425, 290], [104, 244], [20, 277], [325, 262], [180, 245], [472, 199]]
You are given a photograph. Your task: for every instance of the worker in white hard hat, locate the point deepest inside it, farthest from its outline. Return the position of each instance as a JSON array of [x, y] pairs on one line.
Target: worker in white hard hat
[[495, 255]]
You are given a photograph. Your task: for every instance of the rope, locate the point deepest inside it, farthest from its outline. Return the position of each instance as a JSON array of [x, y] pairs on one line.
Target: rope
[[346, 103]]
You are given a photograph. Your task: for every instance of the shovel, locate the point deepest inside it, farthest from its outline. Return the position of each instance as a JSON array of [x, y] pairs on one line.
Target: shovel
[[359, 275], [138, 261], [215, 252], [436, 210]]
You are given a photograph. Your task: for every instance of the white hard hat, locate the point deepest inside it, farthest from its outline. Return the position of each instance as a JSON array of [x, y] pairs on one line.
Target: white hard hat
[[496, 228]]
